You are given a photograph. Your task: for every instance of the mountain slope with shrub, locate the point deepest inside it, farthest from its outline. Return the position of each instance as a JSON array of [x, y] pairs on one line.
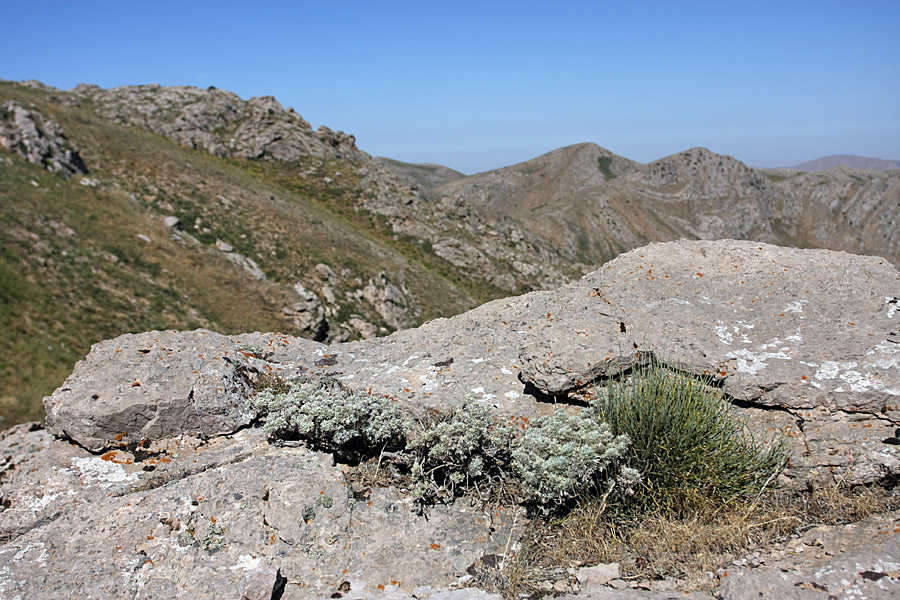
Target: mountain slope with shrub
[[159, 236]]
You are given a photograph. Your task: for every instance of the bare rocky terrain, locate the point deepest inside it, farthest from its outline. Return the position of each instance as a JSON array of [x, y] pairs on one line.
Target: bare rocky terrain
[[153, 479]]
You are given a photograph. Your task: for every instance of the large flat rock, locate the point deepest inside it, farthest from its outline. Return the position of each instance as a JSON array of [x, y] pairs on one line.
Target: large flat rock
[[805, 343], [208, 515]]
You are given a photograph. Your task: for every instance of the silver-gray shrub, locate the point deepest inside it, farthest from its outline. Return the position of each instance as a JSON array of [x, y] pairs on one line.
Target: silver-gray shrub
[[327, 416], [563, 456], [457, 453]]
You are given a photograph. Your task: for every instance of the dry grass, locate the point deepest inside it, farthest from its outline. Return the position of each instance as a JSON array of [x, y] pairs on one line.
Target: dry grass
[[656, 546]]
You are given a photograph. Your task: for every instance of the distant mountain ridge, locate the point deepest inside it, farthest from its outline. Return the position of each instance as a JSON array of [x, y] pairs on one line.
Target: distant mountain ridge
[[591, 205], [848, 160]]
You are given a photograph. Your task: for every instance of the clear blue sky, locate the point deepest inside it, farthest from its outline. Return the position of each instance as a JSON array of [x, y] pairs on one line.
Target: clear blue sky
[[478, 85]]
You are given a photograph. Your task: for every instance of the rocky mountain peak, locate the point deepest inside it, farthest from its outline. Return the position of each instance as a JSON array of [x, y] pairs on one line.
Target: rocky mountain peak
[[701, 171], [220, 122]]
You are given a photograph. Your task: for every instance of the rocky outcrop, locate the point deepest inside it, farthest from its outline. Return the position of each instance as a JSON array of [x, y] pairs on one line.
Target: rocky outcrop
[[394, 303], [244, 262], [308, 314], [38, 140], [186, 489], [220, 122]]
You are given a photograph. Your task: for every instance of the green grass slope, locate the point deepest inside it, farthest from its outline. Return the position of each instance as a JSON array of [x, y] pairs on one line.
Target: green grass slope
[[73, 269]]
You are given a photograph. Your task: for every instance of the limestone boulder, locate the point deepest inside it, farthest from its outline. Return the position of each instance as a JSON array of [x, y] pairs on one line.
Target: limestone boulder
[[152, 385]]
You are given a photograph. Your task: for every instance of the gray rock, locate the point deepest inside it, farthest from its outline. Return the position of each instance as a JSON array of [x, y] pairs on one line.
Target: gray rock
[[805, 340], [606, 593], [214, 519], [38, 140], [247, 264], [220, 123], [152, 385], [174, 223], [308, 314], [869, 568], [394, 303], [224, 247], [809, 349], [244, 262], [598, 575], [263, 583]]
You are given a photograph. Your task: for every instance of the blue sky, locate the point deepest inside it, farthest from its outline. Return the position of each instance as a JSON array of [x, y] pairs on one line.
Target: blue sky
[[479, 85]]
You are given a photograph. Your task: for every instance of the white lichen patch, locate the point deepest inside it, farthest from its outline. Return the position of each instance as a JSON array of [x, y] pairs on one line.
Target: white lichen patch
[[794, 339], [505, 371], [485, 396], [724, 335], [512, 395], [102, 472], [428, 383], [795, 307], [246, 562], [727, 334], [429, 378], [889, 356], [752, 362], [36, 505], [855, 379], [893, 305]]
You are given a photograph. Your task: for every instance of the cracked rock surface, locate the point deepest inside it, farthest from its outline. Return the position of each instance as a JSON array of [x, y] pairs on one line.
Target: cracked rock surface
[[210, 516], [172, 491]]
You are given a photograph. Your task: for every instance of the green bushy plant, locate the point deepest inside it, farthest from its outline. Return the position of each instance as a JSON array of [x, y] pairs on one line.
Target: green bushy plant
[[328, 417], [686, 440], [563, 456], [459, 452]]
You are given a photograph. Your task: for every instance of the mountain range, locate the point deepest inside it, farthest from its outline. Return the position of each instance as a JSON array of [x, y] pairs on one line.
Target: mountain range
[[848, 160], [149, 207]]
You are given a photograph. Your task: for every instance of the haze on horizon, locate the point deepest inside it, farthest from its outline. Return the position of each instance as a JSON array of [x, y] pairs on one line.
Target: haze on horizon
[[476, 86]]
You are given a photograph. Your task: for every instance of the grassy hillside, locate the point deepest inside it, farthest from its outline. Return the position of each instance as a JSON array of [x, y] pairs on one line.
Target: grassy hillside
[[73, 269]]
